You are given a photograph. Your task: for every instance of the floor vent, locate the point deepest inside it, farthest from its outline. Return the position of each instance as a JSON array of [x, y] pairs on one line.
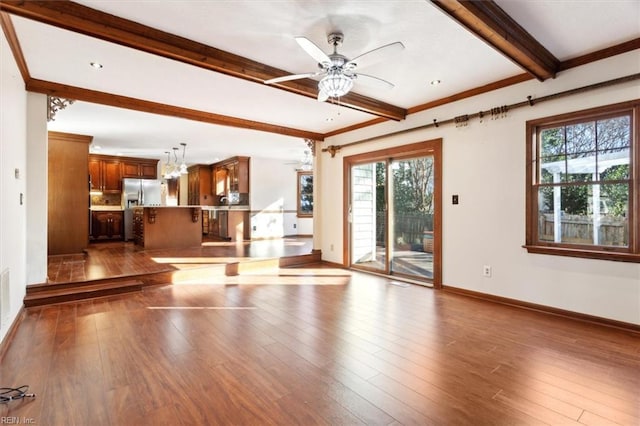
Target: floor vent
[[4, 296]]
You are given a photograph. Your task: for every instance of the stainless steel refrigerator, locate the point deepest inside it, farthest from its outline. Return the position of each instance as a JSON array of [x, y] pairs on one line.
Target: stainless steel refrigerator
[[138, 192]]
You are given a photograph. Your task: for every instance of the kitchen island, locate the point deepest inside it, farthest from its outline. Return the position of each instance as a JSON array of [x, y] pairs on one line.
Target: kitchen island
[[167, 227]]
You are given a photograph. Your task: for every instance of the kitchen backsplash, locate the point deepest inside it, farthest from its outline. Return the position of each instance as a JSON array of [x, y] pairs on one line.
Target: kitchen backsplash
[[106, 200]]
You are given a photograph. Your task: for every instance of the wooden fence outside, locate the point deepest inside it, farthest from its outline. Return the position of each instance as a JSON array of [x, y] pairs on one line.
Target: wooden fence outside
[[578, 229], [412, 229]]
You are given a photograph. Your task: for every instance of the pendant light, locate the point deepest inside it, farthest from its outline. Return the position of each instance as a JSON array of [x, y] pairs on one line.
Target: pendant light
[[167, 166], [183, 166], [175, 173]]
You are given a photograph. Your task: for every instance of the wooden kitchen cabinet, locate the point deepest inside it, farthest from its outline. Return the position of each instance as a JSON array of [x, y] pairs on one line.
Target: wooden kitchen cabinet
[[139, 168], [199, 186], [105, 173], [68, 193], [107, 225], [220, 181], [231, 175]]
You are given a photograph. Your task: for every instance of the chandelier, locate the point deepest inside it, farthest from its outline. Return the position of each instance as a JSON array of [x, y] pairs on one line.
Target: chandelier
[[335, 84], [171, 169], [307, 161]]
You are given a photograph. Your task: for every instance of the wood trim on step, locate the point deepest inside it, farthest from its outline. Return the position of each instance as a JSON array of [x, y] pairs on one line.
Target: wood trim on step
[[606, 322]]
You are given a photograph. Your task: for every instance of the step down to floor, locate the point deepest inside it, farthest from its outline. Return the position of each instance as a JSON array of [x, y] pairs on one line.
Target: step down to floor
[[81, 291]]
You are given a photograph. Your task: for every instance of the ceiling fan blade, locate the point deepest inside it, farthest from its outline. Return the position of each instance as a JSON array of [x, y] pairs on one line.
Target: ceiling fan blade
[[291, 77], [374, 56], [373, 81], [313, 50], [322, 96]]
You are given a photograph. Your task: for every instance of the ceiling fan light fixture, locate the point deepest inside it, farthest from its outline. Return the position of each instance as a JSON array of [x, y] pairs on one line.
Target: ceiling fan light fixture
[[335, 84]]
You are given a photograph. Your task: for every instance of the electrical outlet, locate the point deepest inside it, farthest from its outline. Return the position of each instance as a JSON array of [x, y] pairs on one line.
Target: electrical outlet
[[331, 247], [294, 226], [486, 271]]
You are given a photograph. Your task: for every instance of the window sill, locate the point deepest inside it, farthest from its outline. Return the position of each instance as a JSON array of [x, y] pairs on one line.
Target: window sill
[[583, 253]]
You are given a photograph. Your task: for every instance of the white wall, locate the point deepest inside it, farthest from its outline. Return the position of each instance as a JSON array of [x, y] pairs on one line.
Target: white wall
[[273, 193], [13, 155], [484, 163], [36, 177]]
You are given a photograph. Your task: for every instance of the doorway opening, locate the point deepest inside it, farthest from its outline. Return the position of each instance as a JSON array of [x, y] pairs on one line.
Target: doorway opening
[[393, 212]]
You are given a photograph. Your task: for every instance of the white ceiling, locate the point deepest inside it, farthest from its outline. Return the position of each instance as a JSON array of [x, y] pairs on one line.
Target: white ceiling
[[436, 47]]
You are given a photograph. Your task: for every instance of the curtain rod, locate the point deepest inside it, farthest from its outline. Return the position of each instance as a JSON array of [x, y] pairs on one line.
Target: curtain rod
[[501, 110]]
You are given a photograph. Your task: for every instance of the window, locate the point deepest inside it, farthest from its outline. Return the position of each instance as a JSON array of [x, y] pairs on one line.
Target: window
[[305, 194], [583, 174]]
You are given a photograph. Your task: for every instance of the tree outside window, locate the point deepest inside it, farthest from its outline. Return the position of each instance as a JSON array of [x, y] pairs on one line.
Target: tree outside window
[[305, 194]]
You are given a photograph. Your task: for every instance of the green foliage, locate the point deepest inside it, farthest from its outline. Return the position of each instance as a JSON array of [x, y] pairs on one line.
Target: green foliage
[[616, 194], [413, 185], [594, 139], [306, 193]]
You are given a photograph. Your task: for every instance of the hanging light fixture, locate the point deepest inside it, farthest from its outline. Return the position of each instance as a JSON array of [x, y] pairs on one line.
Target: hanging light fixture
[[307, 161], [183, 166], [175, 172], [167, 166], [336, 84]]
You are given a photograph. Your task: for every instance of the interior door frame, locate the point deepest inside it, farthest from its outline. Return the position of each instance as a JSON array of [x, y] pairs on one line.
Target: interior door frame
[[431, 147]]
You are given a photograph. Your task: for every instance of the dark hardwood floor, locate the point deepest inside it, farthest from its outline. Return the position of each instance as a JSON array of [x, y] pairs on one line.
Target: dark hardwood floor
[[316, 346], [117, 259]]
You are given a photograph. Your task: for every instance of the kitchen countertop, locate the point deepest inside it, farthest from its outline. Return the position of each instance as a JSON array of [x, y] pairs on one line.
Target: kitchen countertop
[[105, 208], [241, 207], [167, 207]]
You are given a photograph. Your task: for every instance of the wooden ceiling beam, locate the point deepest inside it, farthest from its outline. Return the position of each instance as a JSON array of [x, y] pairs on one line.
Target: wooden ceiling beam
[[81, 94], [14, 45], [81, 19], [489, 22]]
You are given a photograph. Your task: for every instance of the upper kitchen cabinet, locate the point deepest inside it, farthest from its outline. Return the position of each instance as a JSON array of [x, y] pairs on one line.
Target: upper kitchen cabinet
[[105, 173], [219, 180], [231, 176], [199, 186], [139, 168], [241, 178]]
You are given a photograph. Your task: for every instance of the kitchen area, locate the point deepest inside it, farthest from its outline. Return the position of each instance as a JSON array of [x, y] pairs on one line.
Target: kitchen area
[[93, 197], [129, 203]]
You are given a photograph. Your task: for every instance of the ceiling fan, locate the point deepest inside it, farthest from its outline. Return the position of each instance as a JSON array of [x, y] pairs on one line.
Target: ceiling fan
[[339, 72], [305, 164]]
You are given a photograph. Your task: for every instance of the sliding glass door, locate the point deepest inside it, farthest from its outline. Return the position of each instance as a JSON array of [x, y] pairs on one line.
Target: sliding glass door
[[393, 211], [411, 216]]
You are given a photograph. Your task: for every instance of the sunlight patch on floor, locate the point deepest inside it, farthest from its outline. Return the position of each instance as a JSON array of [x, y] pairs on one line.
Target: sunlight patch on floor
[[266, 280], [198, 259], [225, 243], [225, 308]]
